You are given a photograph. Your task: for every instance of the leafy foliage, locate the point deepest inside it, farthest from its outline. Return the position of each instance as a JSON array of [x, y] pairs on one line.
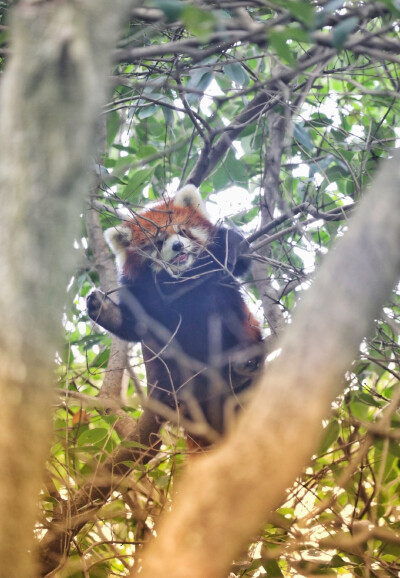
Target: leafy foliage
[[198, 91]]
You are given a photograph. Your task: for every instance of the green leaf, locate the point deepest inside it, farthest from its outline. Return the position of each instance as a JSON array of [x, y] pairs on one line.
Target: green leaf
[[200, 23], [147, 110], [103, 357], [369, 400], [359, 410], [321, 165], [92, 436], [339, 135], [221, 179], [149, 126], [125, 149], [113, 125], [342, 31], [337, 562], [235, 168], [133, 444], [168, 115], [318, 119], [272, 569], [278, 42], [303, 11], [237, 73], [327, 10], [137, 180], [394, 448], [330, 435], [172, 8], [297, 33], [302, 136], [146, 151], [199, 79], [336, 172]]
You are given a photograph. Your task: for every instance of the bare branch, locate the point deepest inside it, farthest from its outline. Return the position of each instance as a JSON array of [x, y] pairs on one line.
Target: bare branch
[[261, 103]]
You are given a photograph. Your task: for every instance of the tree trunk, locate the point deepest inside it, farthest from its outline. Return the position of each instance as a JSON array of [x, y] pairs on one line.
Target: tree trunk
[[51, 95]]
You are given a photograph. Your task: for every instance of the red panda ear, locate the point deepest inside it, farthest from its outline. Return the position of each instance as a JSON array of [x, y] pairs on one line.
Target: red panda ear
[[189, 196], [118, 238]]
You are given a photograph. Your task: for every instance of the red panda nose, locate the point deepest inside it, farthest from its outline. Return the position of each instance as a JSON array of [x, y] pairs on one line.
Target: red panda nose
[[177, 246]]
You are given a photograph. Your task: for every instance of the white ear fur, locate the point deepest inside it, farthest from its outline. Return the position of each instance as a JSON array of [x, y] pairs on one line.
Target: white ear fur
[[189, 196], [118, 238]]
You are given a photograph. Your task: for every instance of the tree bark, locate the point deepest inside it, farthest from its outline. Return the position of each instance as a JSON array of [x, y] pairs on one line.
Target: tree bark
[[269, 198], [111, 386], [222, 501], [51, 95]]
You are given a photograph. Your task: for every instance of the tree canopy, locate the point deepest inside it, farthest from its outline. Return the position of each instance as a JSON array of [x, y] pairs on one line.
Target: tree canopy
[[281, 113]]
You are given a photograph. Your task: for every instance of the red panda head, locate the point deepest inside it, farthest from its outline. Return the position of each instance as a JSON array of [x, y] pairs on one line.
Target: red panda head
[[170, 235]]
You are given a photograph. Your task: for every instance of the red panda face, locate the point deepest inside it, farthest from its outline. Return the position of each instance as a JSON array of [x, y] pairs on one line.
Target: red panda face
[[177, 248], [170, 235]]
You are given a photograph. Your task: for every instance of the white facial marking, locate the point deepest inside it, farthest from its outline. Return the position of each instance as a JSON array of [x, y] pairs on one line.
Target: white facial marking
[[179, 252], [200, 234]]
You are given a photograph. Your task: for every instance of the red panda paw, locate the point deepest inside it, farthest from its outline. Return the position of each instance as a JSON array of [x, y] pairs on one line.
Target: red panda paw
[[96, 301], [103, 311]]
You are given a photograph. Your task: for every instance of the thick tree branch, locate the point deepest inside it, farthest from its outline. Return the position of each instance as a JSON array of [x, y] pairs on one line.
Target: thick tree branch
[[51, 95], [198, 537]]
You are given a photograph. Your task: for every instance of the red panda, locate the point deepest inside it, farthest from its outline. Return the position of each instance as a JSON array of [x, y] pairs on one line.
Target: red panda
[[180, 298]]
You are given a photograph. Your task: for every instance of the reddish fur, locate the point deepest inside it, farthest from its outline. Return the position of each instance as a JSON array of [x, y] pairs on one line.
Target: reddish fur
[[253, 326], [160, 218]]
